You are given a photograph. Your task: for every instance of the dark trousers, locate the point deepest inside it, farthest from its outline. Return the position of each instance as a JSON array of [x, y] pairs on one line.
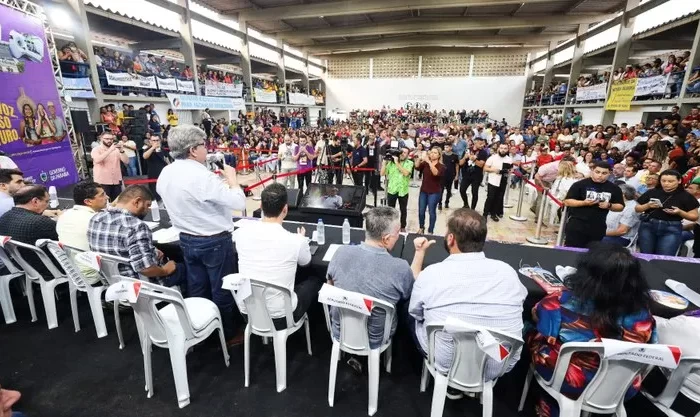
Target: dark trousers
[[403, 204], [447, 187], [474, 181], [112, 190], [336, 172], [357, 177], [580, 234], [307, 293], [208, 260], [494, 198], [371, 180], [301, 178], [207, 127]]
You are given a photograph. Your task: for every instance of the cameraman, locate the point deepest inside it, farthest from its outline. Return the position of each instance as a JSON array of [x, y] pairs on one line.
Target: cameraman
[[398, 173]]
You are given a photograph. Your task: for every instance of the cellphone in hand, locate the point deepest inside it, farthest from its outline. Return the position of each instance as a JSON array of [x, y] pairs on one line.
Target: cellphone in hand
[[656, 201]]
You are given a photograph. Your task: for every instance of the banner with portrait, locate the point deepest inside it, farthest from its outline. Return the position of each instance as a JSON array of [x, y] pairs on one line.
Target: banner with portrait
[[33, 131], [264, 96], [219, 89]]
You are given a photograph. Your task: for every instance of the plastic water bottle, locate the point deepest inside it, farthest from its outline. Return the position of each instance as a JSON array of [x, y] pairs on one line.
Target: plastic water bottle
[[346, 232], [53, 197], [320, 233], [155, 211]]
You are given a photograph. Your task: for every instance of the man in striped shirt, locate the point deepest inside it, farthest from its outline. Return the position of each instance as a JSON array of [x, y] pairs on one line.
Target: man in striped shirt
[[469, 287]]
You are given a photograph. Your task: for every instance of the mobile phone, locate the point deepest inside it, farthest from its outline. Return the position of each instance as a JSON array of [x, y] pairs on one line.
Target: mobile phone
[[655, 201]]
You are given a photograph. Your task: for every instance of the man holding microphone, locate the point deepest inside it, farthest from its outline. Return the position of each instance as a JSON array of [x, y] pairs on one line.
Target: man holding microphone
[[106, 169], [398, 174], [200, 206]]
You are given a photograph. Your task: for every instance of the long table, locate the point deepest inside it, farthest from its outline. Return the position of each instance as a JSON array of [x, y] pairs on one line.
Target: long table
[[656, 271]]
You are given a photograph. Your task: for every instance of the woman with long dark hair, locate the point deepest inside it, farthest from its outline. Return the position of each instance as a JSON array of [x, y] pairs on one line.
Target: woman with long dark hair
[[607, 297], [665, 208]]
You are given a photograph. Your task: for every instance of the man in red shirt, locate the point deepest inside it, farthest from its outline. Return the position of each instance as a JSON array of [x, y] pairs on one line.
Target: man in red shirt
[[544, 157], [694, 115]]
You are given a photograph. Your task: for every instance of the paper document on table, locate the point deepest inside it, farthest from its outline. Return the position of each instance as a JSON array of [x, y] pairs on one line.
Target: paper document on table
[[683, 290], [152, 225], [167, 235], [330, 252]]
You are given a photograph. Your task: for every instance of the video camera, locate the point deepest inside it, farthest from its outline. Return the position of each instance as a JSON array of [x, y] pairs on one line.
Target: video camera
[[215, 161], [391, 153]]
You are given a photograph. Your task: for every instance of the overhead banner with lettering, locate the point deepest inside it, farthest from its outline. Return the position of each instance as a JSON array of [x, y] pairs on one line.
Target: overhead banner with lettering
[[651, 86], [591, 93], [124, 79], [302, 99], [186, 86], [219, 89], [191, 102], [621, 95], [167, 84], [33, 131], [264, 96]]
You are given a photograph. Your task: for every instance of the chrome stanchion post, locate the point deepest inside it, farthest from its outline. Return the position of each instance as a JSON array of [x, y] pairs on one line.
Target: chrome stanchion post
[[562, 225], [537, 239], [506, 197], [518, 217]]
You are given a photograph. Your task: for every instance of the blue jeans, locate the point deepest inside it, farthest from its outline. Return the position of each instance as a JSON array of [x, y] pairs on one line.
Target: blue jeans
[[132, 167], [430, 201], [660, 237], [208, 260]]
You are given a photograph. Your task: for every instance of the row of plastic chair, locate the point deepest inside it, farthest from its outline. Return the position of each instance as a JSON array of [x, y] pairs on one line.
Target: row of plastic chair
[[183, 323]]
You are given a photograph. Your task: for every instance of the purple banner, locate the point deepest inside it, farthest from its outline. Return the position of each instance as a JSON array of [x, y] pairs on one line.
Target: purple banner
[[32, 128]]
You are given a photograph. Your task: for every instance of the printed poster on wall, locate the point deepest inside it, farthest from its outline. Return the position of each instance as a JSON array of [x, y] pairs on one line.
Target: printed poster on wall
[[32, 128]]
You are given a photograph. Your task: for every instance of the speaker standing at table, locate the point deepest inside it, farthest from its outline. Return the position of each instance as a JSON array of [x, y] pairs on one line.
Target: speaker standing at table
[[200, 205], [589, 201]]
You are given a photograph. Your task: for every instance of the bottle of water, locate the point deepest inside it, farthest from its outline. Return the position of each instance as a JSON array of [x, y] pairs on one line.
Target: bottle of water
[[346, 232], [53, 196], [320, 233], [155, 211]]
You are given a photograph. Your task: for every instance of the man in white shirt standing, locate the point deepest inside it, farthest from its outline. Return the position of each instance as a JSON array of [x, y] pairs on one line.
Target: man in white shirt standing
[[72, 225], [269, 253], [200, 206], [516, 137], [288, 164], [498, 166], [469, 287]]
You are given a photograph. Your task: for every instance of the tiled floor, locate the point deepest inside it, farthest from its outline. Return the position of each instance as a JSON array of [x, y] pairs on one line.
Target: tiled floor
[[506, 230]]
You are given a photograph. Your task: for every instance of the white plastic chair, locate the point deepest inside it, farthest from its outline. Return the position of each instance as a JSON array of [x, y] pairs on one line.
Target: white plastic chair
[[260, 323], [604, 394], [77, 283], [467, 372], [354, 339], [666, 398], [32, 276], [178, 326], [632, 246], [8, 309], [109, 272], [689, 248]]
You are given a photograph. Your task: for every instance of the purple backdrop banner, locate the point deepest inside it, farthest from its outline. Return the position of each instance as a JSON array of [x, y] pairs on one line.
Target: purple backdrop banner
[[32, 128]]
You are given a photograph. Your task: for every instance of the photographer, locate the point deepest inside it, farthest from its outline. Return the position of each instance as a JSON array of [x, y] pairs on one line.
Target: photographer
[[106, 168], [398, 173], [498, 165]]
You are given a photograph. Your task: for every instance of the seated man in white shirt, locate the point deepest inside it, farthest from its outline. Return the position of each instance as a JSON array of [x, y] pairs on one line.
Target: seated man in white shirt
[[469, 287], [269, 253], [622, 226], [72, 225]]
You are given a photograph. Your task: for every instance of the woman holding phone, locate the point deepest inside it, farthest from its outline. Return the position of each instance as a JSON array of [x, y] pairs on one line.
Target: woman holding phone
[[430, 165], [664, 210]]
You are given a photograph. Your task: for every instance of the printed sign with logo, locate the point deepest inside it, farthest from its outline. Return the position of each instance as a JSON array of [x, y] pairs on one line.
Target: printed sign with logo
[[123, 291], [484, 339], [89, 259], [336, 297], [666, 356], [239, 285]]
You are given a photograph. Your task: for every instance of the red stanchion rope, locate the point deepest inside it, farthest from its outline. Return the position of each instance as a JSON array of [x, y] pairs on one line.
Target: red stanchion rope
[[539, 189]]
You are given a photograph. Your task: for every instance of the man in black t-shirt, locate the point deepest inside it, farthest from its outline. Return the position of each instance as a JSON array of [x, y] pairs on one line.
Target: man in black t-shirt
[[335, 160], [589, 201], [374, 159], [451, 161], [472, 166]]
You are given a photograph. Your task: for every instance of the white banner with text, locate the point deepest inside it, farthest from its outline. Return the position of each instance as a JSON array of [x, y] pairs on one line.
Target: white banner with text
[[218, 89], [593, 92], [264, 96]]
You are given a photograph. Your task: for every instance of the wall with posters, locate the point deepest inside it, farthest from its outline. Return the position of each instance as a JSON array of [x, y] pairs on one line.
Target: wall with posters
[[32, 127]]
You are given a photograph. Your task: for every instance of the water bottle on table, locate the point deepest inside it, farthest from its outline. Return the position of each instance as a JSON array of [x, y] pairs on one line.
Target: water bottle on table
[[320, 233], [346, 232], [155, 211]]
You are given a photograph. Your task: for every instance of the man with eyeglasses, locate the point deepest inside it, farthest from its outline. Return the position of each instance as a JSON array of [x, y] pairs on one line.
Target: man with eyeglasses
[[200, 206], [106, 169]]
